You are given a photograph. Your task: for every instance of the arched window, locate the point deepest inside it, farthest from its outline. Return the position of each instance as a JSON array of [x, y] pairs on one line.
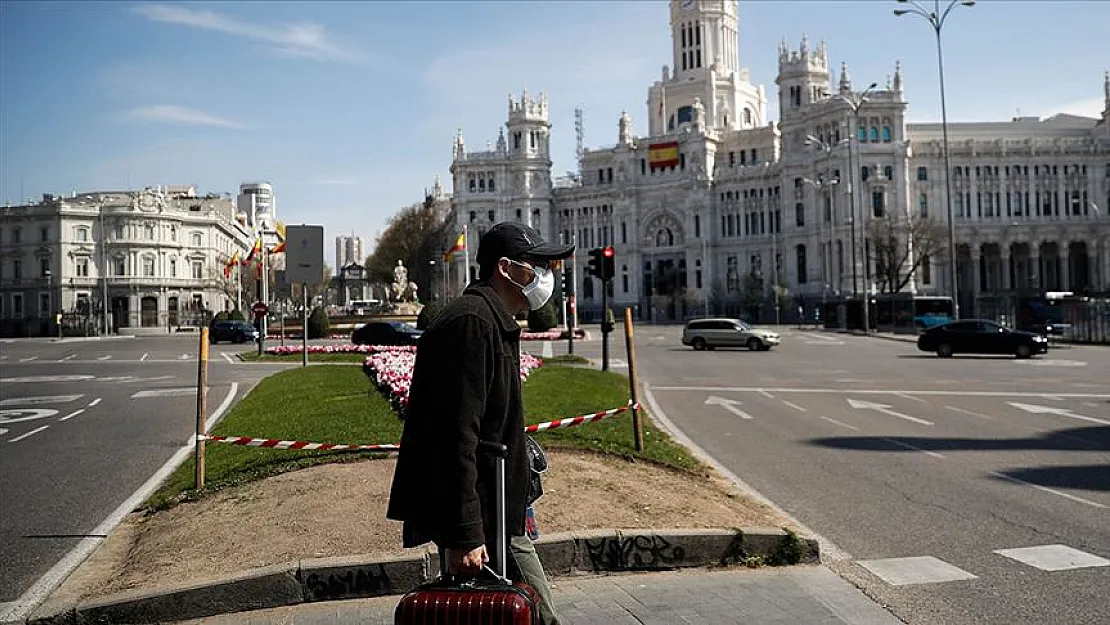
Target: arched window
[[923, 204], [874, 134], [800, 253], [865, 173], [888, 172], [886, 134], [747, 117], [862, 134]]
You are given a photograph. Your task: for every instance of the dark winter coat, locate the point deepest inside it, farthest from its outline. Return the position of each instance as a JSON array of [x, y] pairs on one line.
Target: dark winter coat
[[465, 388]]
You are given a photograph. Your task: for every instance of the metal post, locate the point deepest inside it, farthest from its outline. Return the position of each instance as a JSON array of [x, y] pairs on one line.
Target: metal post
[[604, 320], [104, 267], [637, 430], [304, 332], [202, 407]]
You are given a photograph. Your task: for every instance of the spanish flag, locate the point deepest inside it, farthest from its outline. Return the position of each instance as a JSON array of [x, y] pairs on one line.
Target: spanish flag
[[278, 249], [231, 262], [459, 246], [255, 251]]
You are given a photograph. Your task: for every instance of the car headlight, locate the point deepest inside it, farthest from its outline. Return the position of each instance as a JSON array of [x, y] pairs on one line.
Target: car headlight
[[1039, 339]]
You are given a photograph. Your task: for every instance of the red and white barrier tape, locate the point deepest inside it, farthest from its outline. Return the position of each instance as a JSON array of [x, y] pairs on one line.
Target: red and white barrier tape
[[579, 420], [273, 443]]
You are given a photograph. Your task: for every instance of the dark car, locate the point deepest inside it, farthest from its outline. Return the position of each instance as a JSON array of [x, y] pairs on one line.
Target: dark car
[[234, 331], [386, 333], [979, 336]]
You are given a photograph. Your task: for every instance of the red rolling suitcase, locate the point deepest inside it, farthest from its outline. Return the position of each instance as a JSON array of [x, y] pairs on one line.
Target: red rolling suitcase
[[474, 602]]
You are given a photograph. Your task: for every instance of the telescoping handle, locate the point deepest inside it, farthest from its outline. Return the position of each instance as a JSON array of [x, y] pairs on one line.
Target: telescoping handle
[[499, 453]]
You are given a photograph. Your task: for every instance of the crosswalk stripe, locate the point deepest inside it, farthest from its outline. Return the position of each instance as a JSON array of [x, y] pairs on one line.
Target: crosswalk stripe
[[1053, 557], [915, 570]]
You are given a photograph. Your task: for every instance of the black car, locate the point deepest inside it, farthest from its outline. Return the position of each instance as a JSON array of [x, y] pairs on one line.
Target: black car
[[979, 336], [386, 333], [234, 331]]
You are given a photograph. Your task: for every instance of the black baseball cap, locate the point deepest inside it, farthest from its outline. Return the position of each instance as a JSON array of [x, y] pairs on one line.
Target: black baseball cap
[[514, 240]]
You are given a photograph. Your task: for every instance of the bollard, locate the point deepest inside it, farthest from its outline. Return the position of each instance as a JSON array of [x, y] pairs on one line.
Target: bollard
[[637, 430], [202, 409]]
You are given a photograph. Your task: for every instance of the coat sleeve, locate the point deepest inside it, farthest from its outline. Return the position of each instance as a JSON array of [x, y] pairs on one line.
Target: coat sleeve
[[464, 372]]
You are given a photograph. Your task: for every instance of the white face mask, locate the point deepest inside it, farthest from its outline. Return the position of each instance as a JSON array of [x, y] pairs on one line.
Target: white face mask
[[539, 290]]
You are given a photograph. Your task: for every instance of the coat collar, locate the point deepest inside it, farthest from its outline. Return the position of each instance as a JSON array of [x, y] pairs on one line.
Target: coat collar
[[486, 292]]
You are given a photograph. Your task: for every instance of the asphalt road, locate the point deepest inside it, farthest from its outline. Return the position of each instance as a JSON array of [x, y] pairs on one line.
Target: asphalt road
[[922, 474], [83, 425]]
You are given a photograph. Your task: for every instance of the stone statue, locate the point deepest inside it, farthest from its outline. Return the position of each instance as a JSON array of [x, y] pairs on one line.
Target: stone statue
[[402, 290], [699, 112]]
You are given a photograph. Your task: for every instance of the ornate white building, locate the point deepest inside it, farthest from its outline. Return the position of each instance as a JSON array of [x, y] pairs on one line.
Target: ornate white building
[[715, 193], [156, 256]]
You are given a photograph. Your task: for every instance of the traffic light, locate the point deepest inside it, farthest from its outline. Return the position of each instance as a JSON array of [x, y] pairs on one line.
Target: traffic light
[[596, 262], [568, 279], [608, 261]]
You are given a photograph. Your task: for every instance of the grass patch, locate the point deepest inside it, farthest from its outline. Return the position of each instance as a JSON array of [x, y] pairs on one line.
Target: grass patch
[[254, 357], [560, 392], [566, 359], [325, 404], [339, 404]]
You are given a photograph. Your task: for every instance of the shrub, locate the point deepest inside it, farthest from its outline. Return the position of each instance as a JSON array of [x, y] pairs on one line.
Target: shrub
[[543, 319], [236, 315], [318, 326], [428, 314], [220, 316]]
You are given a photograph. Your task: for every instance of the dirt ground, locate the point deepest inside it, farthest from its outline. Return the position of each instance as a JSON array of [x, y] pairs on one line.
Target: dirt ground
[[339, 510]]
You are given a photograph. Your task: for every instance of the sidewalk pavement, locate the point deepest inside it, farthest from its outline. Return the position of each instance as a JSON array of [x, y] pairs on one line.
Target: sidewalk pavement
[[796, 595]]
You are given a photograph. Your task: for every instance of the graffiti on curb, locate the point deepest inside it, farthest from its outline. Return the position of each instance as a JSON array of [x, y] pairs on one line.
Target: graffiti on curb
[[630, 553], [370, 581]]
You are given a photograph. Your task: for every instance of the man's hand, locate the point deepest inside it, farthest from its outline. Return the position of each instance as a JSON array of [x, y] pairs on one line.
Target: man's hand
[[470, 562]]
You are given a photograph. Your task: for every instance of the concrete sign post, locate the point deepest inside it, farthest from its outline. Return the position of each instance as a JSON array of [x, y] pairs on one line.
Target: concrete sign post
[[304, 263]]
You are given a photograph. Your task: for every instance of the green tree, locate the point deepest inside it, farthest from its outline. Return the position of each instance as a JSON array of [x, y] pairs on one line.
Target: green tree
[[318, 326], [543, 319], [415, 235]]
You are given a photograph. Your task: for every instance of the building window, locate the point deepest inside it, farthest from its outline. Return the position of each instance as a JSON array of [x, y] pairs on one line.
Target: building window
[[149, 232], [148, 266], [697, 226], [118, 231], [81, 267], [473, 183], [624, 282], [173, 234], [923, 205], [926, 270], [840, 257], [864, 173], [874, 134], [173, 267], [44, 235], [82, 234], [44, 304], [799, 214], [878, 207], [886, 134], [198, 239], [862, 134], [888, 172], [44, 267], [922, 174], [489, 214], [121, 267], [198, 270], [17, 270], [800, 253]]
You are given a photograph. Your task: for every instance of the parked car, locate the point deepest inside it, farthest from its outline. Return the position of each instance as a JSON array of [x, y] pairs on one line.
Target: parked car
[[979, 336], [386, 333], [234, 331], [710, 333]]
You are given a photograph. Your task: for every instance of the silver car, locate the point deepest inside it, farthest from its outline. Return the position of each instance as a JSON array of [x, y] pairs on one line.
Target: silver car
[[710, 333]]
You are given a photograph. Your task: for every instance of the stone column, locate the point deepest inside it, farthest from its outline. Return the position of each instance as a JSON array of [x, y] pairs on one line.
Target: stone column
[[1005, 279], [1035, 268], [1064, 264]]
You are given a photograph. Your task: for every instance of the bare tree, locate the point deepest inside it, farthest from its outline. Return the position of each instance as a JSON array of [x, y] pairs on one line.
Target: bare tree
[[900, 247]]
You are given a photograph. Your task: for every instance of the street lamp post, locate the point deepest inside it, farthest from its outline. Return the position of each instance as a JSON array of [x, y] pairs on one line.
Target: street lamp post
[[824, 184], [103, 265], [936, 19], [855, 102]]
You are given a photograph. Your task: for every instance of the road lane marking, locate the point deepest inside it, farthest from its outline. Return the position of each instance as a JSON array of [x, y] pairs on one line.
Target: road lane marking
[[41, 589], [48, 378], [848, 391], [72, 414], [69, 357], [28, 359], [28, 434], [1053, 557], [843, 425], [144, 357], [728, 404], [108, 357], [969, 412], [184, 357], [94, 402], [827, 547], [766, 394], [19, 415], [227, 357], [1049, 490], [905, 396], [885, 409], [46, 399], [1063, 412], [165, 392], [794, 406], [908, 446]]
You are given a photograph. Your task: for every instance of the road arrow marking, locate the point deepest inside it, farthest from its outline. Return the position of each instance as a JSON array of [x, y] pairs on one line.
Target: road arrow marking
[[1063, 412], [885, 409], [728, 404]]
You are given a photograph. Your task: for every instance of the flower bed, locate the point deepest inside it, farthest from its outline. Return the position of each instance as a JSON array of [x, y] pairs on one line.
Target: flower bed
[[285, 350], [390, 368]]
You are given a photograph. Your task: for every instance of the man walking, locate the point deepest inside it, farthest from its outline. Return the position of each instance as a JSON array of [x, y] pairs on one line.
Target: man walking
[[466, 388]]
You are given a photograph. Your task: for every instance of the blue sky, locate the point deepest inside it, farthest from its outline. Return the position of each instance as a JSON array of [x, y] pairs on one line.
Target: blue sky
[[349, 108]]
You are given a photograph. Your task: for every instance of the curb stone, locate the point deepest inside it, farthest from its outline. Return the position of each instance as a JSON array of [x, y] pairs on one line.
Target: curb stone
[[330, 579]]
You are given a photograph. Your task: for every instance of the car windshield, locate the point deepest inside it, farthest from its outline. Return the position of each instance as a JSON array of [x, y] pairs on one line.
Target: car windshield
[[743, 326]]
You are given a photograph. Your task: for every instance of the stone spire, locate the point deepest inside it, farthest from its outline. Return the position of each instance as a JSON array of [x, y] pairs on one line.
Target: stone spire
[[624, 129], [1106, 95], [845, 79], [460, 146], [501, 145], [897, 75]]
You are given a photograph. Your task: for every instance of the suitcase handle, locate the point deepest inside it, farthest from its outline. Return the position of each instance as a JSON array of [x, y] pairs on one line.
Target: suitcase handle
[[499, 452]]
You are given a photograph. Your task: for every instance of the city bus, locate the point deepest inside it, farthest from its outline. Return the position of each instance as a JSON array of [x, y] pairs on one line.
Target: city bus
[[931, 311]]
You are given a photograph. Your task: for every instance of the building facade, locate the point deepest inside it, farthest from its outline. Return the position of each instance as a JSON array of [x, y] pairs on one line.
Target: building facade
[[156, 257], [348, 250], [716, 204]]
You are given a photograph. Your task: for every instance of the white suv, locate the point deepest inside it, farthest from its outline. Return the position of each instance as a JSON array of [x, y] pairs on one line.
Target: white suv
[[709, 333]]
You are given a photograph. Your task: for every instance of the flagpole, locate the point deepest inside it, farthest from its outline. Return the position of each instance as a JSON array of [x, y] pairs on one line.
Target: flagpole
[[238, 285], [466, 255]]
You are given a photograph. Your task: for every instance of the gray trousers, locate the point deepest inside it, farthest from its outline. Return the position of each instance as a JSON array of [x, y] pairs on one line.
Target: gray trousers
[[524, 564]]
